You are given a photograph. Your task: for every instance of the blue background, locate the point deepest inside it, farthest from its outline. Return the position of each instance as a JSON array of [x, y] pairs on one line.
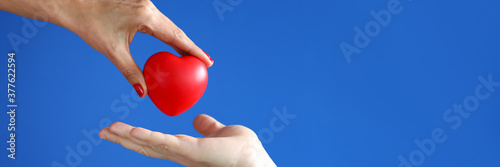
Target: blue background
[[270, 55]]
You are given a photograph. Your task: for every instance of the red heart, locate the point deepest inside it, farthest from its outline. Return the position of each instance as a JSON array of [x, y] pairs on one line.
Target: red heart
[[174, 83]]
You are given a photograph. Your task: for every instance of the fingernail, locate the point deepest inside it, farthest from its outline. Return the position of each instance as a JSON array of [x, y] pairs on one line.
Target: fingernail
[[209, 57], [139, 90]]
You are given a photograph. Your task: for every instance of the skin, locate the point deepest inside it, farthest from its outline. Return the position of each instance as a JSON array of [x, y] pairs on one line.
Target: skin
[[109, 27], [233, 145]]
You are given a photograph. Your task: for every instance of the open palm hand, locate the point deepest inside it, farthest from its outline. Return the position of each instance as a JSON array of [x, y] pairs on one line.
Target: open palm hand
[[233, 145]]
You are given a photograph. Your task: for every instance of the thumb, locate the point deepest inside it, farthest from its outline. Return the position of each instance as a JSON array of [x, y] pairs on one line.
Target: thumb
[[206, 125], [123, 60]]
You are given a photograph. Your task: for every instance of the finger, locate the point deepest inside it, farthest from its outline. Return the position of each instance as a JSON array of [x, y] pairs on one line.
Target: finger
[[123, 60], [129, 143], [166, 31], [206, 125], [121, 129], [108, 135], [179, 148], [124, 130]]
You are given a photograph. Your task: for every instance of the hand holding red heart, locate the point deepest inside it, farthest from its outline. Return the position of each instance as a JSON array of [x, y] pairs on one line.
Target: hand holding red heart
[[109, 27]]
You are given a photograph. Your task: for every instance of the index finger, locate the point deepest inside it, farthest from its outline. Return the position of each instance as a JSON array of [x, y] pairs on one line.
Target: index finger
[[180, 147], [165, 30]]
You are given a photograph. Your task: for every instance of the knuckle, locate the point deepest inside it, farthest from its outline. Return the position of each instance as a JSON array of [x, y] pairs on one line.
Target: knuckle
[[119, 141], [144, 7], [165, 147], [146, 15], [143, 151], [142, 3], [210, 125], [177, 35]]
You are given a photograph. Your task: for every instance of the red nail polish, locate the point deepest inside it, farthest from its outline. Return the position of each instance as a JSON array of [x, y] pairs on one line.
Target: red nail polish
[[139, 90], [209, 57]]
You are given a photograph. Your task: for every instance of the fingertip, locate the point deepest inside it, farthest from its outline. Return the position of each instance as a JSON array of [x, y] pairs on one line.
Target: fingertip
[[206, 124], [210, 62], [146, 90], [140, 89], [104, 133], [199, 119], [208, 65], [202, 115]]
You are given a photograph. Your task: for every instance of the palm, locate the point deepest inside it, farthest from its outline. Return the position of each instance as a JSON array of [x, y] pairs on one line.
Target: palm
[[232, 145]]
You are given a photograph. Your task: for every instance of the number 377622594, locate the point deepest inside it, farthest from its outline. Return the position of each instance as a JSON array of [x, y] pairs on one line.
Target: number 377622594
[[11, 77]]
